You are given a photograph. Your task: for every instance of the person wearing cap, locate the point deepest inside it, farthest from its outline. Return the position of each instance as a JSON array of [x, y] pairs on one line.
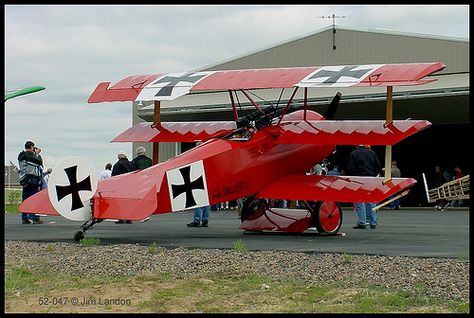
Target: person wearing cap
[[141, 161], [123, 165], [363, 162], [395, 173], [30, 178]]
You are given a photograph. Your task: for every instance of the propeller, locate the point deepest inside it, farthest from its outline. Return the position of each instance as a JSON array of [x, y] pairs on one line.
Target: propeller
[[331, 111], [263, 117]]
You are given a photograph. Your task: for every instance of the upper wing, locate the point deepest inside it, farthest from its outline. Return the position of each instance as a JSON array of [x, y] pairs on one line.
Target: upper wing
[[347, 132], [173, 85], [334, 188], [176, 131], [22, 91]]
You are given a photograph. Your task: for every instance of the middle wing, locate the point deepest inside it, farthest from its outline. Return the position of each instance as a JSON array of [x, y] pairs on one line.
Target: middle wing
[[347, 132], [334, 188], [176, 131]]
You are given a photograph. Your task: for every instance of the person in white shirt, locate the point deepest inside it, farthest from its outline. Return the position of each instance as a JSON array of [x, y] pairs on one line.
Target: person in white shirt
[[107, 173]]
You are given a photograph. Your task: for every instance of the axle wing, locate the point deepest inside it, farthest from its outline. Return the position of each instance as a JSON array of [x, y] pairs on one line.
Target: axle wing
[[334, 188]]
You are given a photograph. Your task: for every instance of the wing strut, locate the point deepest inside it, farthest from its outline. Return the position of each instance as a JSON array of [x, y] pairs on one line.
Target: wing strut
[[156, 121], [234, 109], [288, 105], [388, 122], [305, 102], [257, 106]]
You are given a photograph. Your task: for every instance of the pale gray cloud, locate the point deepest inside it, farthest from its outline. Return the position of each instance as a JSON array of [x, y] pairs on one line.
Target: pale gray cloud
[[70, 49]]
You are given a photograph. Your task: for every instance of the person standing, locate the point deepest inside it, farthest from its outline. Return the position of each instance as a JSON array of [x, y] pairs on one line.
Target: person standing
[[200, 215], [43, 184], [141, 161], [457, 175], [438, 182], [395, 173], [30, 178], [123, 165], [364, 162], [334, 171], [107, 173]]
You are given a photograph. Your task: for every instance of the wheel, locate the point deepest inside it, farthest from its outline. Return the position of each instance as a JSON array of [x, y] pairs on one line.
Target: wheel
[[328, 217], [79, 236], [252, 209]]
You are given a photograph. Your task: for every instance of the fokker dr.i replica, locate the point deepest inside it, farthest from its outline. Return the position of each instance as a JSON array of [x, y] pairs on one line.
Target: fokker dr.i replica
[[263, 155]]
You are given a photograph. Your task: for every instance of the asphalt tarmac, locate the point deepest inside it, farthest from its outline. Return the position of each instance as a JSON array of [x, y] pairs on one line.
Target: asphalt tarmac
[[405, 232]]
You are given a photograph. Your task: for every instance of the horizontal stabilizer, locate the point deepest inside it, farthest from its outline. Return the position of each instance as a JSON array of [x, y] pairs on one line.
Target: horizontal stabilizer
[[334, 188], [175, 131], [133, 208], [38, 203], [349, 132], [130, 196]]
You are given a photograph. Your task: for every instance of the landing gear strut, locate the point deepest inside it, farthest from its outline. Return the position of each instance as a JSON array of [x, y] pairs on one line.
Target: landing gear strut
[[252, 209], [79, 235]]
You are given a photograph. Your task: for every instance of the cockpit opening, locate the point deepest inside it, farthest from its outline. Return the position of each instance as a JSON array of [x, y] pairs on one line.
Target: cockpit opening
[[243, 134]]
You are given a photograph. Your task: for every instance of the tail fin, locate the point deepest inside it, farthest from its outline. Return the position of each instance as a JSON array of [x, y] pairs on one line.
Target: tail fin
[[71, 185]]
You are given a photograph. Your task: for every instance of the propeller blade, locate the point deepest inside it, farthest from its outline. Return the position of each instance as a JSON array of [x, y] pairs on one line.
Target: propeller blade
[[331, 111]]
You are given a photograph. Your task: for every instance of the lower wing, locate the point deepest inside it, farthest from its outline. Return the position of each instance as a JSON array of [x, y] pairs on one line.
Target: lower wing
[[334, 188]]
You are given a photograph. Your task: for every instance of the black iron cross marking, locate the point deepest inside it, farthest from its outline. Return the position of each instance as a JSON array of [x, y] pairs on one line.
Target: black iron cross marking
[[188, 186], [334, 76], [74, 188], [168, 89]]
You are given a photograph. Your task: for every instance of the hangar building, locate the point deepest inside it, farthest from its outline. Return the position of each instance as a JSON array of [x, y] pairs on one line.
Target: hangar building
[[445, 102]]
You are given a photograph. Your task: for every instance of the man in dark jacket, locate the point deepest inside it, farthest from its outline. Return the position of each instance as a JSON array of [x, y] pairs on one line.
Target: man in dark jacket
[[30, 178], [141, 161], [123, 165], [364, 162]]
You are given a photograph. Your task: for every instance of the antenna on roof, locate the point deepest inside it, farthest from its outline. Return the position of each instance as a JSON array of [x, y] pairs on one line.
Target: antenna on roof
[[334, 17]]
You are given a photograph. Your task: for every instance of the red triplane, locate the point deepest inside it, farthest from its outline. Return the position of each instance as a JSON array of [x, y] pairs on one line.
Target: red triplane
[[263, 155]]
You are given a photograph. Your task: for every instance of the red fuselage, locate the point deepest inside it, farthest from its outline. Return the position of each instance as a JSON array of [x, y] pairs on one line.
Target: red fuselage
[[236, 169], [219, 170]]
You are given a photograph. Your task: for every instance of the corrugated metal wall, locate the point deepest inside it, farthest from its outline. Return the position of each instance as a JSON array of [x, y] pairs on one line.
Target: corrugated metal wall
[[357, 47]]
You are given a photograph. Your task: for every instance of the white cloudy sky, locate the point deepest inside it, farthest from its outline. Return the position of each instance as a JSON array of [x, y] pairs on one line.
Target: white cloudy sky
[[70, 49]]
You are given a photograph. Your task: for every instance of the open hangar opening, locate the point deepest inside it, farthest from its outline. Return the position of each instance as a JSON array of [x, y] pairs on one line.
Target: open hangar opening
[[445, 102]]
